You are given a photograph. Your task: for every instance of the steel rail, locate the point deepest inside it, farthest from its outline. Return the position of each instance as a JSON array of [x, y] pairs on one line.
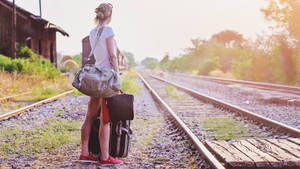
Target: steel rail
[[3, 99], [29, 107], [200, 146], [284, 88], [243, 112]]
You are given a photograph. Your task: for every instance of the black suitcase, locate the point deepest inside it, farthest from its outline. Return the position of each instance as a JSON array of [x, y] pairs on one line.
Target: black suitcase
[[120, 133], [94, 144]]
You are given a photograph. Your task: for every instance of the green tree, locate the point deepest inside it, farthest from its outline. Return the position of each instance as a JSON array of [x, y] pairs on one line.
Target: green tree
[[286, 14], [229, 38], [78, 59], [150, 63], [165, 60], [130, 57]]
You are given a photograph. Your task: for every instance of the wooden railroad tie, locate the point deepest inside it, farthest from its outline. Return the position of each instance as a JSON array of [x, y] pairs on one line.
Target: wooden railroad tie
[[258, 153]]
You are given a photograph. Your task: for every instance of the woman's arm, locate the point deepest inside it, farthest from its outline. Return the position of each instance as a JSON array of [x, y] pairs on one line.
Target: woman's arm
[[111, 52]]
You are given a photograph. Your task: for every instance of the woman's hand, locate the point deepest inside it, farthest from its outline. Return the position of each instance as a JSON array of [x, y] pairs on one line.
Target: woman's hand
[[111, 52]]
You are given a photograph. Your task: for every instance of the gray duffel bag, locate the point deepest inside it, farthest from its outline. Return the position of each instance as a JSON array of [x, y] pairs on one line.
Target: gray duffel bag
[[97, 81]]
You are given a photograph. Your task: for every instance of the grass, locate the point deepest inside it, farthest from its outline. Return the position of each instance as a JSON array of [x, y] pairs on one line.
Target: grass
[[39, 87], [129, 83], [225, 128], [59, 113], [8, 106], [151, 128], [17, 83], [171, 91], [41, 93], [39, 139], [77, 93], [132, 74]]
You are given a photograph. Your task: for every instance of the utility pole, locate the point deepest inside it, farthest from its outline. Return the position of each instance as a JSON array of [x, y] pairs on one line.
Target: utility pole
[[40, 8], [14, 31]]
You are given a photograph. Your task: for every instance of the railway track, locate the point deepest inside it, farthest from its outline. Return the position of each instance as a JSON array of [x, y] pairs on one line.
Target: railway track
[[259, 85], [188, 112], [276, 139], [28, 107], [280, 106]]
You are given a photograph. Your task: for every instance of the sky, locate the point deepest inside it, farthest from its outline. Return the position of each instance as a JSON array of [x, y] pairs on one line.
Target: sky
[[152, 28]]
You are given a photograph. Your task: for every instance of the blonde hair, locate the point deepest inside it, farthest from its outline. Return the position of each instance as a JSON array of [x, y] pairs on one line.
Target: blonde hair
[[103, 11]]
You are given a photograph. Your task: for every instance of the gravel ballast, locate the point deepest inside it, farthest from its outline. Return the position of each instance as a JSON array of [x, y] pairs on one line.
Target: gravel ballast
[[155, 141]]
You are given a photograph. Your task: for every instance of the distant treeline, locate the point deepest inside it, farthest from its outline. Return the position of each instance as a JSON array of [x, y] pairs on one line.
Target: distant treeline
[[271, 58], [228, 54]]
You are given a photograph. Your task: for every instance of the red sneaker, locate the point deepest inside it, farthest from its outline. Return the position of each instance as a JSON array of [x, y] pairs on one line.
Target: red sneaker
[[88, 159], [111, 161]]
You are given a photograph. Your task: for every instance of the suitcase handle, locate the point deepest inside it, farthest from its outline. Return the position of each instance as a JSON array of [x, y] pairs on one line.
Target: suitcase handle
[[120, 129]]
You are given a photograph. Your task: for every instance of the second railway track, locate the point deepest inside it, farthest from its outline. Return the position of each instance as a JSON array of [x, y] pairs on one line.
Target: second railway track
[[259, 85], [279, 106], [19, 111], [191, 113]]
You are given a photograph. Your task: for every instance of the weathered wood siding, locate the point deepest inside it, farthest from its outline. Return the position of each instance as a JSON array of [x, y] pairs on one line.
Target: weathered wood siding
[[43, 41], [5, 31]]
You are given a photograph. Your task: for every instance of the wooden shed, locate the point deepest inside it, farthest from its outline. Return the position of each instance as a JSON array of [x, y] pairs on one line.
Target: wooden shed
[[31, 30]]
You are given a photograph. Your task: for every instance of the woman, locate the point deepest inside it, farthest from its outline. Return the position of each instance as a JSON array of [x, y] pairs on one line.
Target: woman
[[105, 55]]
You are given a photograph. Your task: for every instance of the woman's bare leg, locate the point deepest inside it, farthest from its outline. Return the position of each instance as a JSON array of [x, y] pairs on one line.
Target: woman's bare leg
[[104, 133], [91, 115]]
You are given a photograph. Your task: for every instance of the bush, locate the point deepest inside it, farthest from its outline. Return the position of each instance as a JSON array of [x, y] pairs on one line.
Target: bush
[[25, 52], [32, 66], [209, 65], [129, 84], [277, 67], [241, 69]]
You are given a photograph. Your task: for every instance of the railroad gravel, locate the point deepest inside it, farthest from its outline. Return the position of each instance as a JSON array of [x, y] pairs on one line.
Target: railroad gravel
[[155, 141], [248, 99], [71, 107]]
